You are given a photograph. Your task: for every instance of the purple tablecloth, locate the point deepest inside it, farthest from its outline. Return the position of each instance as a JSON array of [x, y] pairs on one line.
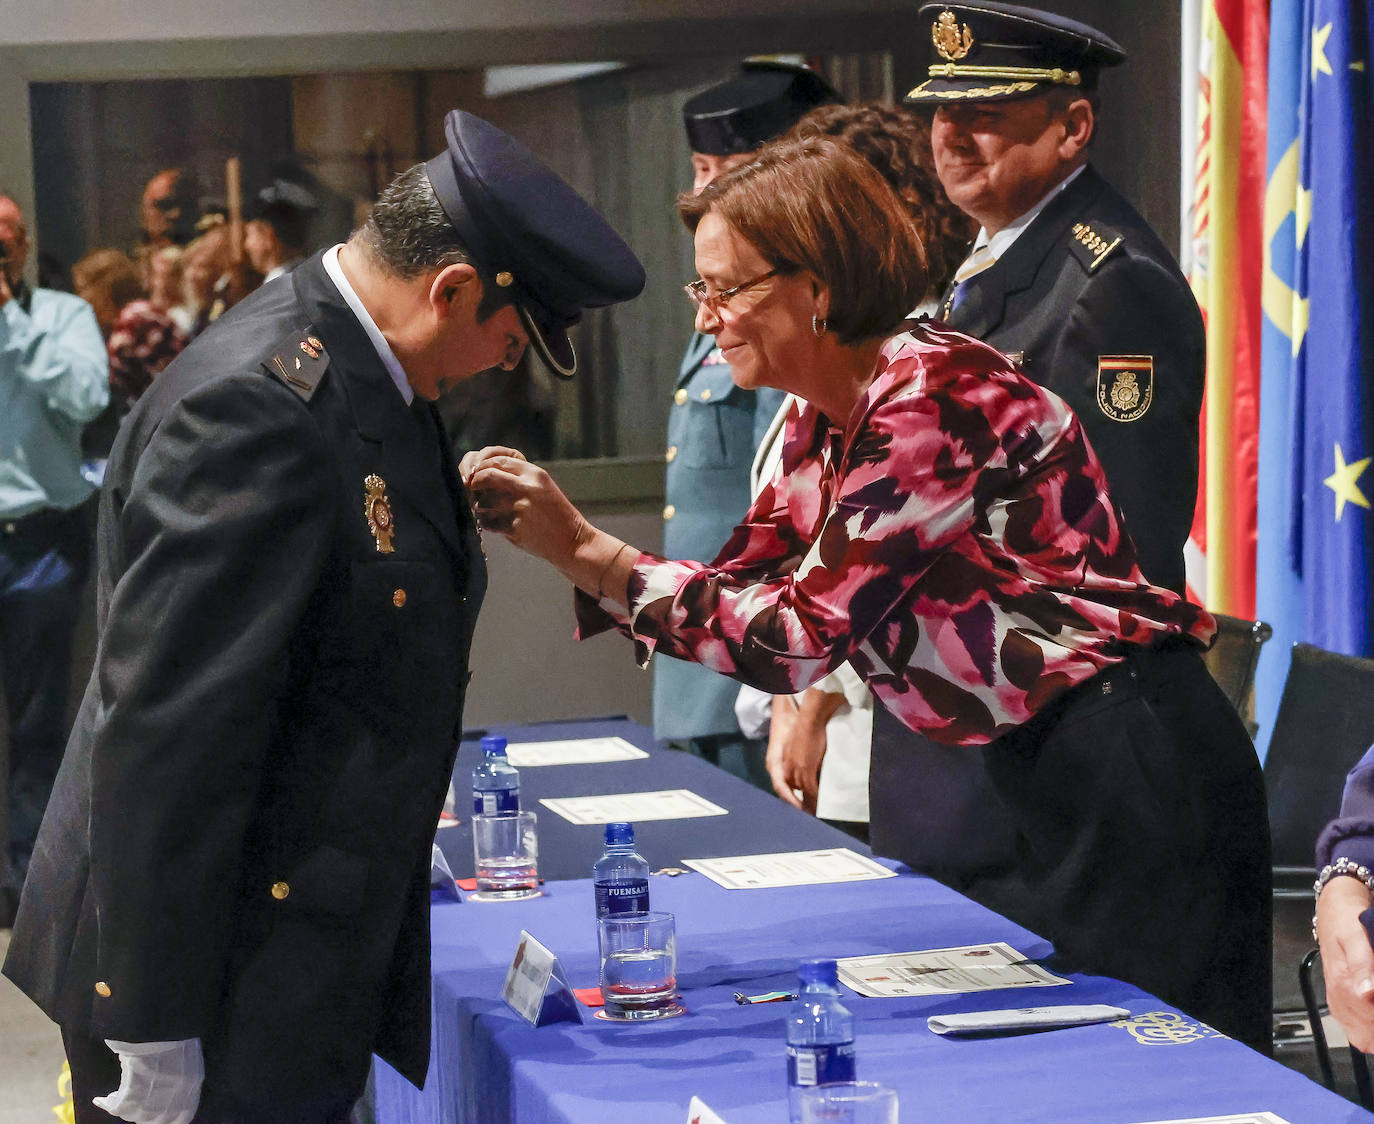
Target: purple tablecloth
[[489, 1066]]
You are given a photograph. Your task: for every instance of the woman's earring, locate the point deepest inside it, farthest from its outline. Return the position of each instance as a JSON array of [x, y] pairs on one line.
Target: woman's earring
[[819, 325]]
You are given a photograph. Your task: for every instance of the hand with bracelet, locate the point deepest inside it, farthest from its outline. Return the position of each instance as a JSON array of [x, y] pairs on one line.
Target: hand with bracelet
[[1344, 894]]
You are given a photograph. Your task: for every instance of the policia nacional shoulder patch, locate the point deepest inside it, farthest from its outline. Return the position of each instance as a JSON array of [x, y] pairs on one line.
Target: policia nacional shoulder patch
[[1125, 385]]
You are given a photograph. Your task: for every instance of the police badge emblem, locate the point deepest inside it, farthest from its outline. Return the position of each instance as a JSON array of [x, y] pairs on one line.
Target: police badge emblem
[[377, 508], [950, 41], [1125, 385]]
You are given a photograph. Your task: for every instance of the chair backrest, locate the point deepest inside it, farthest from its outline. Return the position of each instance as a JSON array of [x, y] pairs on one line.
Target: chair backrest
[[1233, 657], [1324, 725]]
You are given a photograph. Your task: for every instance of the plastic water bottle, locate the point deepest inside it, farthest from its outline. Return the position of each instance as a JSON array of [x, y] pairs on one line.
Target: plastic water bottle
[[495, 782], [621, 875], [820, 1034]]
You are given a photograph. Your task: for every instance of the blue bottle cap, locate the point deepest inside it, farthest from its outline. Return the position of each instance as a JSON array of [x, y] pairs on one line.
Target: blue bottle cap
[[819, 971], [620, 833], [494, 743]]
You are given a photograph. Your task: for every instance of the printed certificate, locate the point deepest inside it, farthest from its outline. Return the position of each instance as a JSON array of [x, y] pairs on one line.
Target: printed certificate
[[943, 971], [790, 868], [578, 751], [633, 807]]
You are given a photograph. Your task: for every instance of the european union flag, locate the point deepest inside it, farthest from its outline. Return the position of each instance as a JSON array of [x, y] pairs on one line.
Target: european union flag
[[1317, 409], [1331, 531]]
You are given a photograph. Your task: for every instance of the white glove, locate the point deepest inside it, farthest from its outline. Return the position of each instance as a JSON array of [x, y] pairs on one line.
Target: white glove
[[159, 1082]]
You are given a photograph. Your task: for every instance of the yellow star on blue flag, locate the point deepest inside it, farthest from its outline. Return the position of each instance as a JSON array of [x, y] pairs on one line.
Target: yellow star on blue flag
[[1345, 482]]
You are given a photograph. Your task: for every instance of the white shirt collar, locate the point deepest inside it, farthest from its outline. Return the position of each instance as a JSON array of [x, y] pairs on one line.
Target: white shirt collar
[[1001, 242], [374, 333]]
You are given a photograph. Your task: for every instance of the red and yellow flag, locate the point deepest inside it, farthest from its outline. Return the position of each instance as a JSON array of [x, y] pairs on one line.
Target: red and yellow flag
[[1228, 206]]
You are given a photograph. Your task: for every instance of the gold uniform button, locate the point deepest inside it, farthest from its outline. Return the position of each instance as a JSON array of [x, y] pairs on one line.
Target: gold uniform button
[[670, 454], [280, 890], [399, 598], [102, 989], [706, 395], [681, 396], [669, 511]]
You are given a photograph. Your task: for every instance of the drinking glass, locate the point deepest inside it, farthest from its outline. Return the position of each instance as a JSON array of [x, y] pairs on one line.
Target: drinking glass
[[849, 1102], [638, 966], [505, 850]]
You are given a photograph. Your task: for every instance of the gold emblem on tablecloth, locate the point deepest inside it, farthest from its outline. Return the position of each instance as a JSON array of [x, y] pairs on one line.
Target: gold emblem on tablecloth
[[1164, 1028], [949, 41], [377, 508]]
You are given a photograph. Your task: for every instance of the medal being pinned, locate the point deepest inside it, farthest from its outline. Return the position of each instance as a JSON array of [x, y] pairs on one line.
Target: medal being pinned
[[377, 508]]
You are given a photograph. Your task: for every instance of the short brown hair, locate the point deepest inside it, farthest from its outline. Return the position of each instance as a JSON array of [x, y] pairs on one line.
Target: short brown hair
[[815, 206], [895, 139]]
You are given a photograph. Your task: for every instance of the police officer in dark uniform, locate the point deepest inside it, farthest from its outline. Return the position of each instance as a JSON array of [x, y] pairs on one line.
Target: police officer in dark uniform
[[227, 909], [1066, 278], [714, 427]]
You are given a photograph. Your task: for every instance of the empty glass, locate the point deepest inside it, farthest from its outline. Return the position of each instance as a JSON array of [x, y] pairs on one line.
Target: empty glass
[[638, 966], [850, 1102], [505, 851]]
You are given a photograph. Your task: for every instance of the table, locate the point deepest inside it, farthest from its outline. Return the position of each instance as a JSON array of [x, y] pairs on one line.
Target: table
[[488, 1066], [758, 821]]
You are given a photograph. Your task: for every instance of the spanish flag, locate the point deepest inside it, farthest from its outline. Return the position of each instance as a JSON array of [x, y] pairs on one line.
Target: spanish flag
[[1227, 212]]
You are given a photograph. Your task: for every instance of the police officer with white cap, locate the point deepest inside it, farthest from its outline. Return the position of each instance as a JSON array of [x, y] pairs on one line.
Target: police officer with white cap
[[228, 905], [714, 427]]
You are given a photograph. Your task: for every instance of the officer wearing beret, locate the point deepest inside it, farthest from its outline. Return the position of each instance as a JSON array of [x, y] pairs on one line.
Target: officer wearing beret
[[1065, 275], [714, 427], [1067, 279], [228, 903]]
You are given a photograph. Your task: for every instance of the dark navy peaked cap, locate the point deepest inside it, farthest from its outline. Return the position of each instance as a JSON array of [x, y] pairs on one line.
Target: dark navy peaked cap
[[532, 233], [987, 51], [743, 114]]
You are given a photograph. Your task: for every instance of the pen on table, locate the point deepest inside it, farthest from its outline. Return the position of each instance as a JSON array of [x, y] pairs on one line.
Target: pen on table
[[766, 997]]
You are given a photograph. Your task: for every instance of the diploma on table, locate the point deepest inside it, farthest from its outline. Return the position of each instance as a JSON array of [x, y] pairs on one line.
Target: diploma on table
[[790, 868], [577, 751], [1238, 1118], [943, 971], [632, 807]]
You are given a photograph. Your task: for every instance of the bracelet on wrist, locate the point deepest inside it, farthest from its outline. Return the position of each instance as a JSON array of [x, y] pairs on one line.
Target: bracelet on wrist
[[601, 581], [1340, 868]]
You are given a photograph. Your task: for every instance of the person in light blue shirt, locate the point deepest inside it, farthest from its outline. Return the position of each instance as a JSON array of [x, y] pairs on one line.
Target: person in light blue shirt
[[54, 378]]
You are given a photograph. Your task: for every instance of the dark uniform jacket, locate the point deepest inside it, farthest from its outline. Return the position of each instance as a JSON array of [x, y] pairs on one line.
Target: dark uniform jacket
[[1094, 307], [237, 848], [714, 429]]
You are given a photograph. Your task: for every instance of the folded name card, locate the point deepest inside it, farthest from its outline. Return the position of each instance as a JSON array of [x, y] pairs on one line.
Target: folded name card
[[699, 1113], [535, 987]]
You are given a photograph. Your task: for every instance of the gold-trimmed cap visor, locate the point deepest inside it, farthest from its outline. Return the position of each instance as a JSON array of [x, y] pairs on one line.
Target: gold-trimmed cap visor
[[989, 51]]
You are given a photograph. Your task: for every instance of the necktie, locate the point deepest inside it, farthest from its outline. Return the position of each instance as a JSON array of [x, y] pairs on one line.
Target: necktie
[[981, 259]]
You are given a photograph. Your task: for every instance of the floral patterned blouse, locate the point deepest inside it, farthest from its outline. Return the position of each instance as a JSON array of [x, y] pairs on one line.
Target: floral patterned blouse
[[954, 542]]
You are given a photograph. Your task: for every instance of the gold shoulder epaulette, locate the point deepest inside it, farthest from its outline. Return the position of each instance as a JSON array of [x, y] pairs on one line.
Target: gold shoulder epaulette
[[300, 361], [1092, 245]]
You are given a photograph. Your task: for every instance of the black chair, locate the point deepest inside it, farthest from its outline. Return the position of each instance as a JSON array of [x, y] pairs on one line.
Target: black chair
[[1324, 725], [1359, 1066], [1232, 660]]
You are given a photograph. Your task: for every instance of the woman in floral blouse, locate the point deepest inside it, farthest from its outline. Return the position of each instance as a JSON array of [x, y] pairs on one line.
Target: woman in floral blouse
[[942, 523]]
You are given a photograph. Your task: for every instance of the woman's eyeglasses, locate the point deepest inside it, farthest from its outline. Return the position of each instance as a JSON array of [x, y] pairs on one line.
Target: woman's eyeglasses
[[702, 297]]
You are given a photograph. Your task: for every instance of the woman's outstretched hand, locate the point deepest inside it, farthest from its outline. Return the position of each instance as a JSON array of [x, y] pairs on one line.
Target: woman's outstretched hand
[[521, 501]]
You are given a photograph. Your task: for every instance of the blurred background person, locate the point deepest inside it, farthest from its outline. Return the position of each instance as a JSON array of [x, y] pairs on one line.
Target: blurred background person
[[714, 426], [819, 742], [53, 382], [943, 524], [213, 280], [276, 238]]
